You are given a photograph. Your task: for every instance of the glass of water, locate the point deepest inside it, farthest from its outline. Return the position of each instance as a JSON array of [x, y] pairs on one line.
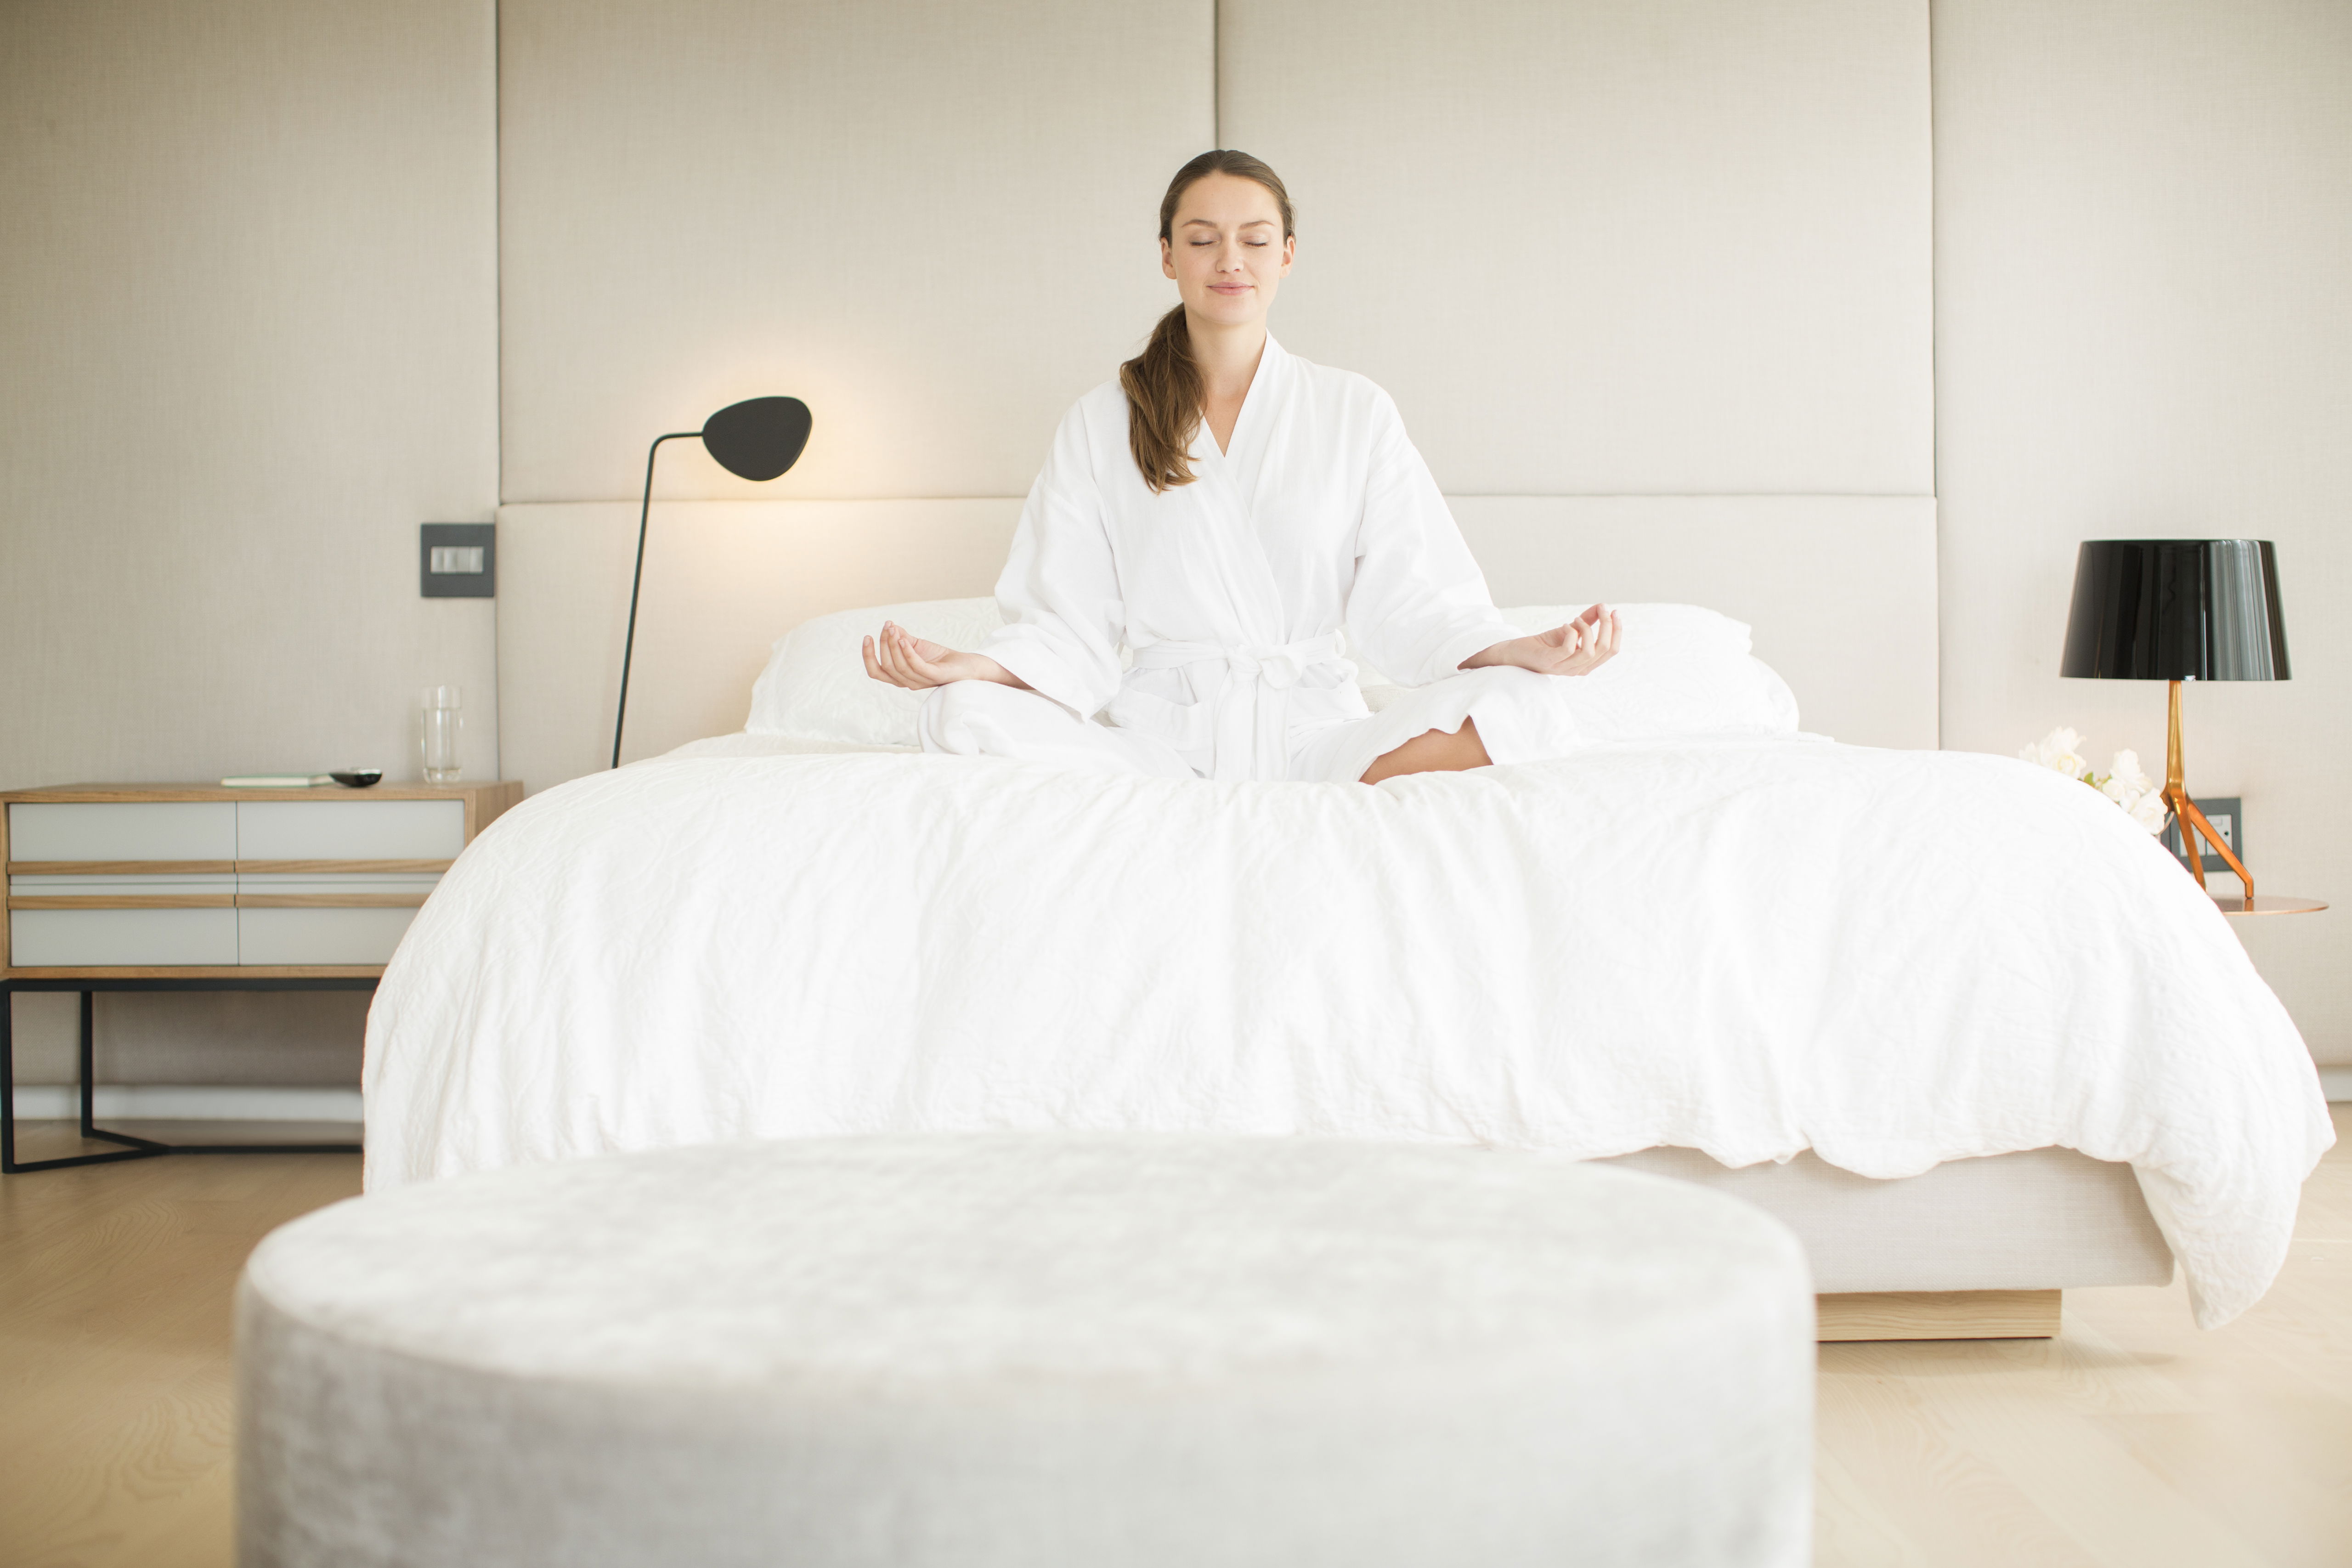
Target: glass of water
[[442, 708]]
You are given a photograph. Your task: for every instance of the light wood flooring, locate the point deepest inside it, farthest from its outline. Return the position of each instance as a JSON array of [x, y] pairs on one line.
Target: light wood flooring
[[2131, 1439]]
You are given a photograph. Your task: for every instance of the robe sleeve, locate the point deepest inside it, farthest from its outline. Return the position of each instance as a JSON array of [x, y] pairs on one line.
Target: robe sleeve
[[1059, 592], [1419, 605]]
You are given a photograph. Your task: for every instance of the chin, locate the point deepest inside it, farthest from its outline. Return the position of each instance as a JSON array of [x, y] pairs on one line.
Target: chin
[[1230, 309]]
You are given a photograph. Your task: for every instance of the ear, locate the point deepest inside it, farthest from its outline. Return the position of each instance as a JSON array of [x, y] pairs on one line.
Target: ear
[[1289, 253], [1168, 260]]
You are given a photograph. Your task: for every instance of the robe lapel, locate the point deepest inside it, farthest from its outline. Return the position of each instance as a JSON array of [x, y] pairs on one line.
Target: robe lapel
[[1228, 481]]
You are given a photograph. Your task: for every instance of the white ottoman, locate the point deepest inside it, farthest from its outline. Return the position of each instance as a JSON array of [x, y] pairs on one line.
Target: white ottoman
[[1030, 1352]]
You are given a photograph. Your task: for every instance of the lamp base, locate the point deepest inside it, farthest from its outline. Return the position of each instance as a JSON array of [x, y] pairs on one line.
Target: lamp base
[[2184, 810], [2268, 904]]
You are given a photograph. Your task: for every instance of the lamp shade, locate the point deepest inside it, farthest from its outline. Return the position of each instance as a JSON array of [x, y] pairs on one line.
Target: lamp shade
[[758, 438], [2176, 609]]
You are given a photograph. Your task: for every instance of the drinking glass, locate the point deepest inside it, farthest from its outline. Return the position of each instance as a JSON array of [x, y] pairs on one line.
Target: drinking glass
[[442, 708]]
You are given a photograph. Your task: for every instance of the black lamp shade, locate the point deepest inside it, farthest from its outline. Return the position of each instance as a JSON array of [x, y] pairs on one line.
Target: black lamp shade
[[760, 438], [2176, 609]]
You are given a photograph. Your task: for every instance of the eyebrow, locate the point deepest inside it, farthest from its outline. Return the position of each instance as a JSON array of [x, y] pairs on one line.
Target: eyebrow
[[1254, 222]]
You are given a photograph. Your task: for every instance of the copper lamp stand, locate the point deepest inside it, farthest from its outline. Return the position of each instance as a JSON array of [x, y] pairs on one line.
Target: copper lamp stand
[[2184, 810]]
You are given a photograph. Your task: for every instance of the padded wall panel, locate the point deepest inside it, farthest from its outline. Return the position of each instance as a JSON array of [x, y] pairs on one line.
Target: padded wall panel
[[932, 220], [723, 581], [248, 331], [1615, 246], [1841, 590]]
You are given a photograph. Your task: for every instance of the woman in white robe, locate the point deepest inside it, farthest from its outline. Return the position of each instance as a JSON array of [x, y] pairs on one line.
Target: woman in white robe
[[1292, 521]]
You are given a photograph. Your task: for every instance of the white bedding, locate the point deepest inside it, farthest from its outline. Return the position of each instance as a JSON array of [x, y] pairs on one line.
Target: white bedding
[[1748, 947]]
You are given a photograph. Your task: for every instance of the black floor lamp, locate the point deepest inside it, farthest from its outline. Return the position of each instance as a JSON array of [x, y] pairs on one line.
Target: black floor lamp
[[757, 439]]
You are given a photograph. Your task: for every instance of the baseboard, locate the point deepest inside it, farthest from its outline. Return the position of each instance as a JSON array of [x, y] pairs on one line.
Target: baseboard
[[2336, 1082], [1937, 1315], [189, 1102]]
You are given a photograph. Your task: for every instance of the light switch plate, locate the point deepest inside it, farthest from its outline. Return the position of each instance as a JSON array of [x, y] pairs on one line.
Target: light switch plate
[[457, 560], [2226, 814]]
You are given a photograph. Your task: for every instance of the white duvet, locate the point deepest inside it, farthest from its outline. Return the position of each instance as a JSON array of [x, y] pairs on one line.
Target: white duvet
[[1746, 947]]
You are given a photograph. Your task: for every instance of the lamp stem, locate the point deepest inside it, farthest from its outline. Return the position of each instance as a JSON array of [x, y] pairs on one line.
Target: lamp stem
[[2172, 769], [637, 579], [2190, 821]]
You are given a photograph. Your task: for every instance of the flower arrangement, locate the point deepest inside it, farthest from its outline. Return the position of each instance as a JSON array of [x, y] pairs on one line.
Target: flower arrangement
[[2127, 782]]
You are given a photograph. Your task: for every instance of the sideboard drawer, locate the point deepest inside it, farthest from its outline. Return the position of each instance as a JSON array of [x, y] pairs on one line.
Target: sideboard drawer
[[39, 938], [347, 829], [142, 830], [319, 935], [277, 883]]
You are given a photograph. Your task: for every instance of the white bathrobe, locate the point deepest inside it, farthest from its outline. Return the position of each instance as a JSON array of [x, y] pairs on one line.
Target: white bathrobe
[[1320, 531]]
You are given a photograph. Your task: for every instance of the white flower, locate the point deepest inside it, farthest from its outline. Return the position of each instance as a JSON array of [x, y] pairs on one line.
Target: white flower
[[2125, 769], [2129, 787], [2061, 750]]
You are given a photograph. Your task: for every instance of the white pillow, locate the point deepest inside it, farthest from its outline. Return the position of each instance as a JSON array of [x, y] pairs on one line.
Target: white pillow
[[1684, 670], [1680, 670], [816, 686]]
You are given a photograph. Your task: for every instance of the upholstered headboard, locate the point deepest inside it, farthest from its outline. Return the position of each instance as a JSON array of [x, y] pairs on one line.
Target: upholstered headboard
[[1841, 591], [1650, 284]]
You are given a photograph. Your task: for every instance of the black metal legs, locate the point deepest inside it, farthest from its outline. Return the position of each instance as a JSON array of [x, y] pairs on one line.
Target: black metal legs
[[133, 1147]]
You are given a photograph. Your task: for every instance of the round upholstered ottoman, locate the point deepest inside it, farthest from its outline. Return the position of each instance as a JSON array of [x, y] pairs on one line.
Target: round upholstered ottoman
[[1030, 1352]]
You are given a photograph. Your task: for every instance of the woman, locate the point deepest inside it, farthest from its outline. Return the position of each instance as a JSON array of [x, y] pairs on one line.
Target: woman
[[1226, 511]]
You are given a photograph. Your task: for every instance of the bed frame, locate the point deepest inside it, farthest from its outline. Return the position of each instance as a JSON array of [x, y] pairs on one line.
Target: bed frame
[[1969, 1249]]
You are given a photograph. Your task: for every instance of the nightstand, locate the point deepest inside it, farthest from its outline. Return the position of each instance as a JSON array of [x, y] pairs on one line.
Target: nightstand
[[198, 888]]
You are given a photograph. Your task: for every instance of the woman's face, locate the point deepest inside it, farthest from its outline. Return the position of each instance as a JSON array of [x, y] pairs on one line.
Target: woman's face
[[1227, 250]]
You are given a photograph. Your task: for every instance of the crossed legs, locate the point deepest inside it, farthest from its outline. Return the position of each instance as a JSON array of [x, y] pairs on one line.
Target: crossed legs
[[1432, 751], [978, 718]]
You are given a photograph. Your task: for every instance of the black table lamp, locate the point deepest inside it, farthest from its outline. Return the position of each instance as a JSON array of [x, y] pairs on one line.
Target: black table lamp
[[2176, 610], [757, 439]]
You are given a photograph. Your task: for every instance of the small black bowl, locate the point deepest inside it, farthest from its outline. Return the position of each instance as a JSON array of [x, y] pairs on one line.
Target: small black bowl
[[357, 778]]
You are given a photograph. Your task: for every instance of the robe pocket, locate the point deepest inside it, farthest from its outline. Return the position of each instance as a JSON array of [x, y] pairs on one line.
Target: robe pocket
[[1319, 705], [1186, 726]]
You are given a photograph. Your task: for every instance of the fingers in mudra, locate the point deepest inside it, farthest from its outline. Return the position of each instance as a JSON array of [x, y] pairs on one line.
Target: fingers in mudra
[[1584, 644], [881, 659], [900, 657]]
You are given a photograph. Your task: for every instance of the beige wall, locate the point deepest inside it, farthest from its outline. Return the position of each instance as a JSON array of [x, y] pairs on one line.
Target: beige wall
[[2144, 326], [247, 342]]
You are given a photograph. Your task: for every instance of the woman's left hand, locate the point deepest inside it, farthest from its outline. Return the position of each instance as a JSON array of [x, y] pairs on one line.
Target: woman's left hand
[[1580, 647]]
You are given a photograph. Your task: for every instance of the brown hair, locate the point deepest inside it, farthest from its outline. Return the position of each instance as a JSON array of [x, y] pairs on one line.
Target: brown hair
[[1163, 383]]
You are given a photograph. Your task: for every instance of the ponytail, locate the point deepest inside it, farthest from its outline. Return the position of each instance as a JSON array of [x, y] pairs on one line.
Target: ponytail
[[1163, 404], [1163, 382]]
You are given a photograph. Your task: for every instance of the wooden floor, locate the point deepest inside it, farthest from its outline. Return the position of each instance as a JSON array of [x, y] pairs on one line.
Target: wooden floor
[[2132, 1439]]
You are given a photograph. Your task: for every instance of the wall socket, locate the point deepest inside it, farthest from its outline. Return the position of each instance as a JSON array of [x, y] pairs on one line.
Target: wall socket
[[2226, 814], [457, 560]]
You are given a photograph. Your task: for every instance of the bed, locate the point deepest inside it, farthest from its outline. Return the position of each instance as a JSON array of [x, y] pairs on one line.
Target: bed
[[1817, 974]]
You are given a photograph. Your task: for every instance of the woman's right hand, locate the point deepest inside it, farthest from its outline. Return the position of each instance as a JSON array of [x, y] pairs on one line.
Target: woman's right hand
[[899, 658]]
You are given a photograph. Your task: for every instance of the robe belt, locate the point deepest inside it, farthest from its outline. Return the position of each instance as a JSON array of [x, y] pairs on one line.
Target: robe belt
[[1228, 721]]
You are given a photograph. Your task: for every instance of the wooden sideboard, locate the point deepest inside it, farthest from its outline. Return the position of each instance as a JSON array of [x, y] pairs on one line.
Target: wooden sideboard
[[202, 888]]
